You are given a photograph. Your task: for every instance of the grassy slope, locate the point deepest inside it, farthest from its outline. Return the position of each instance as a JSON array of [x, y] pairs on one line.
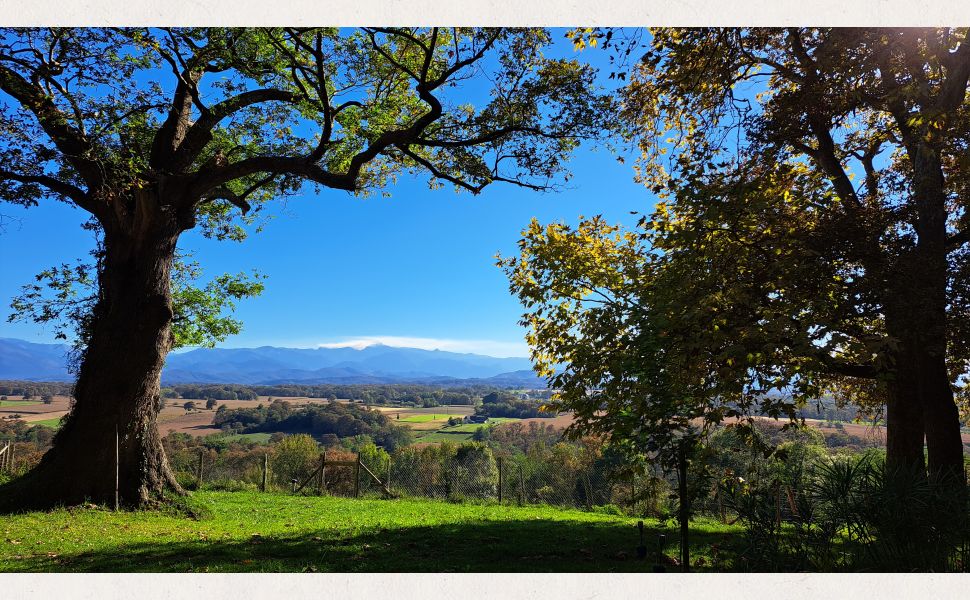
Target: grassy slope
[[52, 423], [271, 532]]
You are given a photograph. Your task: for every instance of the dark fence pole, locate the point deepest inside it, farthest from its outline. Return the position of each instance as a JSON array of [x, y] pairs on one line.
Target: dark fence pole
[[684, 512], [117, 467], [265, 470], [388, 482], [500, 478], [357, 477], [198, 486], [521, 486], [323, 463]]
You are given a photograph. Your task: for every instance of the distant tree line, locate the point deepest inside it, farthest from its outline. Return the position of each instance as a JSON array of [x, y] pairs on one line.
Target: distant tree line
[[35, 389], [400, 394], [507, 404], [205, 392], [328, 423]]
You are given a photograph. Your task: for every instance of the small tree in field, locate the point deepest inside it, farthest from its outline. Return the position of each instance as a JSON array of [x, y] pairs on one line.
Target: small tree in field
[[210, 403], [189, 406], [47, 399]]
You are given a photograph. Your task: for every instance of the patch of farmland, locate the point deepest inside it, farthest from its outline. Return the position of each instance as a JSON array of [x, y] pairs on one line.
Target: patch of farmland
[[473, 427], [439, 436], [35, 411], [6, 403]]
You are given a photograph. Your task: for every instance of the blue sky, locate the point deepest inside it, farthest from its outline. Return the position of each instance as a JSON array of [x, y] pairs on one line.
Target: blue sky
[[416, 269]]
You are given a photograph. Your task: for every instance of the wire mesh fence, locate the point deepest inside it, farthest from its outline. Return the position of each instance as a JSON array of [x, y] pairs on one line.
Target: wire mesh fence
[[472, 474]]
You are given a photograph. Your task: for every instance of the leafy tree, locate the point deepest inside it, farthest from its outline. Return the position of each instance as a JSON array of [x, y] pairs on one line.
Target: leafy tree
[[293, 458], [47, 398], [189, 406], [154, 132], [811, 236], [210, 403], [474, 470]]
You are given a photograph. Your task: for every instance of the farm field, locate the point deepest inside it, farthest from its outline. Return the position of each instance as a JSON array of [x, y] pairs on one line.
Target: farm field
[[7, 403], [429, 424], [249, 531]]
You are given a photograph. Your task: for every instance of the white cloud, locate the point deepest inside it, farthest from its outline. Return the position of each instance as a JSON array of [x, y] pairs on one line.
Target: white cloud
[[487, 347]]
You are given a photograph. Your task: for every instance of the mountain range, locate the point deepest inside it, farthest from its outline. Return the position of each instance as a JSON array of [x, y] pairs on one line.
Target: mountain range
[[269, 365]]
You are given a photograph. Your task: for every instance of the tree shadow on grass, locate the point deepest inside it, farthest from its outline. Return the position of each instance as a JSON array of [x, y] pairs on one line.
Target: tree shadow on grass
[[499, 546]]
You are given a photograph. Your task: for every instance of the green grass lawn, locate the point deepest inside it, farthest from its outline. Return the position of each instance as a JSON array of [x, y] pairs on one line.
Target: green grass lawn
[[443, 436], [7, 403], [424, 418], [250, 531], [472, 427], [52, 423]]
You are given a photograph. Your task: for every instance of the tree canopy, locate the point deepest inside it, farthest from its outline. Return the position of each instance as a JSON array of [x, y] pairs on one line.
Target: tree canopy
[[810, 236], [156, 131]]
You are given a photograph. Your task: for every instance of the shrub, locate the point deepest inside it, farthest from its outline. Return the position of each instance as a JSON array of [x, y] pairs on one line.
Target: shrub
[[294, 457]]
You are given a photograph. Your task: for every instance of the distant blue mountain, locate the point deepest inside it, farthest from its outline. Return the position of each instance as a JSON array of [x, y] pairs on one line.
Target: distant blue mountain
[[20, 359], [271, 365]]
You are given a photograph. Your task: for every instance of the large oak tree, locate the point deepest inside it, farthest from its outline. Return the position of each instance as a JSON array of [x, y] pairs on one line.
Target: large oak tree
[[812, 237], [154, 132]]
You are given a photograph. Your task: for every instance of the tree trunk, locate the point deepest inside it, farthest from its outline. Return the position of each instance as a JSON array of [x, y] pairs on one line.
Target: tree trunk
[[118, 385], [904, 425], [928, 284], [921, 404]]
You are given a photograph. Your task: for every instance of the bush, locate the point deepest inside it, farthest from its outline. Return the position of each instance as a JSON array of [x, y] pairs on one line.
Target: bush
[[608, 509], [474, 471], [294, 457], [232, 485]]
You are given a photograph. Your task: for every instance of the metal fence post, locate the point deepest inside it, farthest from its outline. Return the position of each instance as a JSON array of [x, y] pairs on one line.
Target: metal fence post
[[388, 482], [684, 512], [357, 477], [500, 479], [117, 467], [198, 486], [265, 470], [521, 486]]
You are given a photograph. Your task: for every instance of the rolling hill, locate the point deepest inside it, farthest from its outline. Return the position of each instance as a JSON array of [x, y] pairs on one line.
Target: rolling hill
[[378, 363]]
